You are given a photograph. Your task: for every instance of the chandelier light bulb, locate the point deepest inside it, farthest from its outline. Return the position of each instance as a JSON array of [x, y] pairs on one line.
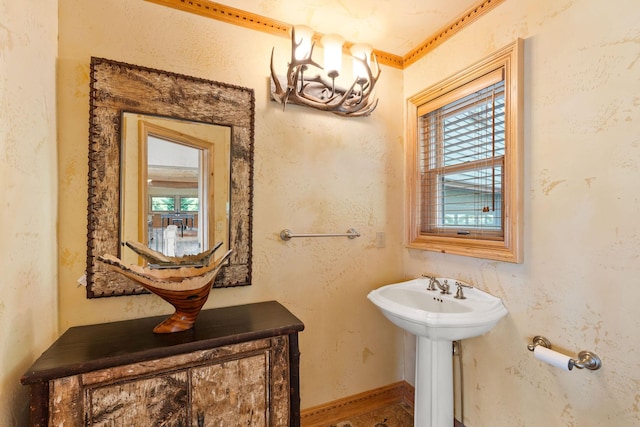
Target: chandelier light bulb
[[332, 44], [304, 36], [361, 52]]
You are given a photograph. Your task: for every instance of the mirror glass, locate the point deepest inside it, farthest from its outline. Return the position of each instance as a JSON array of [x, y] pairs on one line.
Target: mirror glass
[[167, 152], [174, 185]]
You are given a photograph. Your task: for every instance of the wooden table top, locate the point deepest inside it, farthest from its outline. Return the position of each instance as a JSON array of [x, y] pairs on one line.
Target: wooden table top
[[87, 348]]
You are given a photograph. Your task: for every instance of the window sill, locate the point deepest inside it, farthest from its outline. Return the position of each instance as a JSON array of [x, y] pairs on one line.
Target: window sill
[[476, 248]]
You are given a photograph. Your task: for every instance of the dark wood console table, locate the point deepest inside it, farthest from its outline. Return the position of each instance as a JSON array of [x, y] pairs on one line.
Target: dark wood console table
[[238, 366]]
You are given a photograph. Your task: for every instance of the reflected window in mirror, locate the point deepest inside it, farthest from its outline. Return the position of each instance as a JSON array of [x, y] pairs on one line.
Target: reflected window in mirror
[[163, 203], [189, 204]]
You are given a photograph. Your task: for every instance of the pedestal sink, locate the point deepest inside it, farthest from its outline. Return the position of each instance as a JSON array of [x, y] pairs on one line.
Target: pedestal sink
[[437, 320]]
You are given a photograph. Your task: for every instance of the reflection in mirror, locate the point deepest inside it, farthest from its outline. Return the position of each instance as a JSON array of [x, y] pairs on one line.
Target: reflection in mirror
[[175, 185]]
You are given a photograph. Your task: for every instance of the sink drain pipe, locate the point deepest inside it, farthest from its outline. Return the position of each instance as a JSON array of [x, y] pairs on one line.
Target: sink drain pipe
[[457, 351]]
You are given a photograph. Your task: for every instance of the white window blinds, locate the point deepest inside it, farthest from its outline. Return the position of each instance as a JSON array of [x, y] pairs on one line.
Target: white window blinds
[[462, 146]]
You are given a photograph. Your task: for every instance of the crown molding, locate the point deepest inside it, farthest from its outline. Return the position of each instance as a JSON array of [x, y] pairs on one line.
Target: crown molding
[[256, 22], [253, 21], [449, 30], [228, 14]]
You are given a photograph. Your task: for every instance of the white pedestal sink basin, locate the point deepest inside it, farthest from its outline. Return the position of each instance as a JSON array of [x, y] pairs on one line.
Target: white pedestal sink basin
[[437, 320]]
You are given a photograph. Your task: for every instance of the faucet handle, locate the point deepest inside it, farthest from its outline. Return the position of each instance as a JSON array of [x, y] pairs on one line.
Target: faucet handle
[[432, 280], [459, 293]]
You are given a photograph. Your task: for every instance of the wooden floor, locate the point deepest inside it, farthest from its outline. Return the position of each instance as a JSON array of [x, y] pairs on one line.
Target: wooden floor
[[390, 406], [394, 415]]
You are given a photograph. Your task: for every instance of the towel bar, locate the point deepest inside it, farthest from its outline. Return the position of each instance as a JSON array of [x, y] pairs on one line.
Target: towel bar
[[287, 234]]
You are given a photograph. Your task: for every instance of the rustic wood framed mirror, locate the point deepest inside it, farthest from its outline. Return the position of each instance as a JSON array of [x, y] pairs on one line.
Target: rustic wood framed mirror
[[118, 88]]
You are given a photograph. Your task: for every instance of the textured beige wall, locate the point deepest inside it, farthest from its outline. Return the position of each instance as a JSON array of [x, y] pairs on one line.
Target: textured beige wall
[[28, 187], [314, 172], [322, 173], [578, 285]]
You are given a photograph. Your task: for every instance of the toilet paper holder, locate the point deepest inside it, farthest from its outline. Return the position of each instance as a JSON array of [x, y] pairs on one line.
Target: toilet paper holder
[[586, 359]]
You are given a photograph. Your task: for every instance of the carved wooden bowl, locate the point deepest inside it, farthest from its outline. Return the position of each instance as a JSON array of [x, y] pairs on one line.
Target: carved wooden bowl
[[183, 284]]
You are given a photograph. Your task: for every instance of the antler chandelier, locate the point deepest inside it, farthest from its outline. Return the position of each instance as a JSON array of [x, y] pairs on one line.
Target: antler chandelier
[[304, 87]]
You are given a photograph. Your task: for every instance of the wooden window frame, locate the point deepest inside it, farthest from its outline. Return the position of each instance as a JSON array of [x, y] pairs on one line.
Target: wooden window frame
[[510, 60]]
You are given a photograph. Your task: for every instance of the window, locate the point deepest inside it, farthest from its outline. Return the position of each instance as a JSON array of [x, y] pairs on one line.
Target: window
[[464, 161], [189, 204], [163, 204], [168, 204]]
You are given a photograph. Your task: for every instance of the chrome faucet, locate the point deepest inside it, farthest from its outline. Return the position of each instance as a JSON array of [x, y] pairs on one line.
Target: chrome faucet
[[444, 287]]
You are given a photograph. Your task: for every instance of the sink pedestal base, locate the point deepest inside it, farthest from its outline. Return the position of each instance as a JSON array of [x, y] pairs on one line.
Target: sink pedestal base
[[433, 405]]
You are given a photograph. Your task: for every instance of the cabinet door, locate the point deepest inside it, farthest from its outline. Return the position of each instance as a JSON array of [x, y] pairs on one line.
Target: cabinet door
[[240, 384], [155, 401], [231, 393]]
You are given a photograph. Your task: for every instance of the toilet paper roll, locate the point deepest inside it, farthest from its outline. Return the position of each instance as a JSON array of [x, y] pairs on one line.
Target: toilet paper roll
[[553, 358]]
